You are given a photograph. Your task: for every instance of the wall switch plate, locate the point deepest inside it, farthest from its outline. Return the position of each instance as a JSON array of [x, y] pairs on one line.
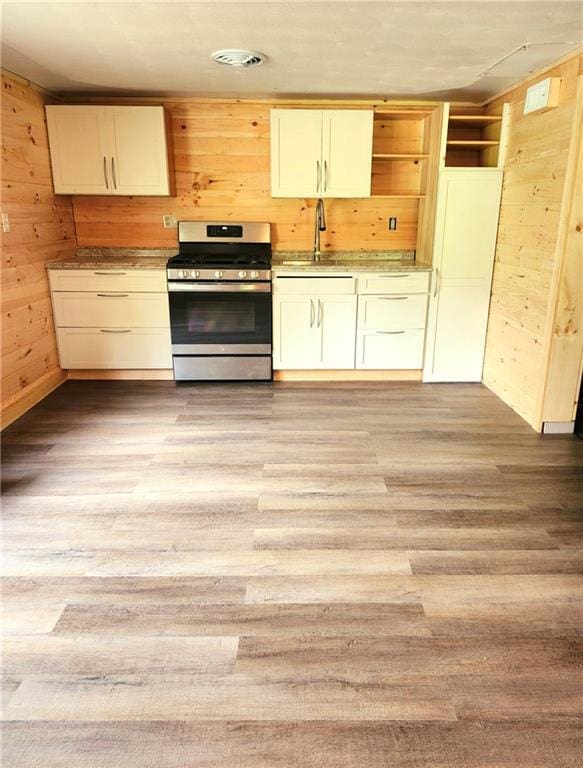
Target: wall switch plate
[[392, 223], [5, 222], [169, 220], [542, 96]]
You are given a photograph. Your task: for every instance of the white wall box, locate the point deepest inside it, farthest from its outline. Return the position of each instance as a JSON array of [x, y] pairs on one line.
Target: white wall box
[[468, 204], [321, 153], [104, 150], [314, 322], [111, 319]]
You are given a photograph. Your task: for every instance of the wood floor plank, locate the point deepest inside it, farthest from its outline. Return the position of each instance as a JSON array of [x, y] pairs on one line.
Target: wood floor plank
[[231, 697], [252, 744], [333, 619]]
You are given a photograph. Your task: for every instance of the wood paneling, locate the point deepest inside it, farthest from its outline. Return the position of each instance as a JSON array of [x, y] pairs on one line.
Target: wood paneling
[[533, 206], [41, 229], [222, 161], [564, 343]]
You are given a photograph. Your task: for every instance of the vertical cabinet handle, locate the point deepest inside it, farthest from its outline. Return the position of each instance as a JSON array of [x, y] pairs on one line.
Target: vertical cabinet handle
[[113, 172], [320, 313], [318, 176], [326, 177], [311, 313], [105, 172], [436, 288]]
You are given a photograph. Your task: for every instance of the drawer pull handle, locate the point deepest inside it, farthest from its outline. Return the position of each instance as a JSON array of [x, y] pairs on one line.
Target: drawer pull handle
[[390, 333], [111, 330], [393, 298], [394, 275], [110, 273], [113, 295]]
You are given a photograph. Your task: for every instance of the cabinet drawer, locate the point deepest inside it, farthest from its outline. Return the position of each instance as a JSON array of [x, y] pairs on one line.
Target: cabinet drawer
[[393, 282], [392, 313], [114, 348], [397, 350], [121, 280], [111, 310], [291, 284]]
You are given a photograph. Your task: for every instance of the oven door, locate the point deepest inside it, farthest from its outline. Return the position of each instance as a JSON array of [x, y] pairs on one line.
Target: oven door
[[213, 318]]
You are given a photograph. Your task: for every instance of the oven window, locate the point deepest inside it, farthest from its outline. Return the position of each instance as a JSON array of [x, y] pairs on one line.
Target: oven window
[[220, 318]]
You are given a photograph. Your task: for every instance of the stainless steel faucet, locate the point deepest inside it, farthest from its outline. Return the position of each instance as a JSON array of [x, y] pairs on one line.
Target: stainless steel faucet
[[319, 227]]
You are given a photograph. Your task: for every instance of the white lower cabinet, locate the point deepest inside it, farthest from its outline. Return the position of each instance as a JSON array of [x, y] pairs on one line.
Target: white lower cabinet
[[350, 321], [314, 331], [390, 350], [114, 348], [314, 323], [108, 319]]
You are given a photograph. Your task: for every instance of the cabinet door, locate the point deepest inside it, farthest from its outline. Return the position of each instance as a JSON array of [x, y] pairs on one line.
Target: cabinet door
[[336, 321], [139, 156], [347, 152], [294, 331], [468, 205], [80, 151], [296, 152]]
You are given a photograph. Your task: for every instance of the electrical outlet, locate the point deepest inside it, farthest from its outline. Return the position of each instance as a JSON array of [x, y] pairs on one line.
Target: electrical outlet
[[169, 220], [5, 222], [392, 223]]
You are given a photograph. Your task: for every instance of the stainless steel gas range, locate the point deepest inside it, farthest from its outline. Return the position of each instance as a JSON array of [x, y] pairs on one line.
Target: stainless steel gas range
[[219, 288]]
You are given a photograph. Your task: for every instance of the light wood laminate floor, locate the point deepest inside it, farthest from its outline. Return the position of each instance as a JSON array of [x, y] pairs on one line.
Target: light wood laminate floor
[[290, 576]]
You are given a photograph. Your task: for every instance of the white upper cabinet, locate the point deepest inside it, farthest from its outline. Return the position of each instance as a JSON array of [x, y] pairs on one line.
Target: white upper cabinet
[[346, 152], [79, 139], [108, 150], [321, 153]]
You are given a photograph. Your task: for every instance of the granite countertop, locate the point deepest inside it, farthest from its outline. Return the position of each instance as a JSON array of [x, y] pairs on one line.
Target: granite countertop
[[116, 258], [338, 261], [156, 258]]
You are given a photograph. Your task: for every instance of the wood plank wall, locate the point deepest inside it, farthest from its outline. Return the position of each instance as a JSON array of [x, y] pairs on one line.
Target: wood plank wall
[[222, 161], [42, 228], [532, 206]]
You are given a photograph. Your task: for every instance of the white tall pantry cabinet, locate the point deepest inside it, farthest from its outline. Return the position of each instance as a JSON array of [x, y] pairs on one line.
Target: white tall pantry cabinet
[[468, 203]]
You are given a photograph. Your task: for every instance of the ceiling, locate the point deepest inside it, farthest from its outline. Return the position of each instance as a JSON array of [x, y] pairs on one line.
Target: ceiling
[[335, 48]]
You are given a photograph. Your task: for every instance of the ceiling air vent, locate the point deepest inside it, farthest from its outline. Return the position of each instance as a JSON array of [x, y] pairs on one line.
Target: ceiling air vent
[[235, 57]]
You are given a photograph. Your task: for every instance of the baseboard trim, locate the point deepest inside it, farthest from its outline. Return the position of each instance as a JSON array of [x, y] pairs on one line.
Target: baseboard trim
[[131, 374], [348, 375], [19, 404]]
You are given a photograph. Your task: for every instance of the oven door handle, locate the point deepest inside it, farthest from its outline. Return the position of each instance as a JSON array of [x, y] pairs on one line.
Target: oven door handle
[[219, 287]]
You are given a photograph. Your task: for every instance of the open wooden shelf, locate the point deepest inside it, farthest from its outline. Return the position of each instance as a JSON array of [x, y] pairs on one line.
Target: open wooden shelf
[[472, 144], [403, 152], [477, 121], [399, 156], [398, 197], [404, 114], [473, 139]]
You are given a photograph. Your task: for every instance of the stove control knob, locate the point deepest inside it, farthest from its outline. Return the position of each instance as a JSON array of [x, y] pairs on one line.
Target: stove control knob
[[218, 273], [183, 273], [194, 273], [254, 274], [242, 273]]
